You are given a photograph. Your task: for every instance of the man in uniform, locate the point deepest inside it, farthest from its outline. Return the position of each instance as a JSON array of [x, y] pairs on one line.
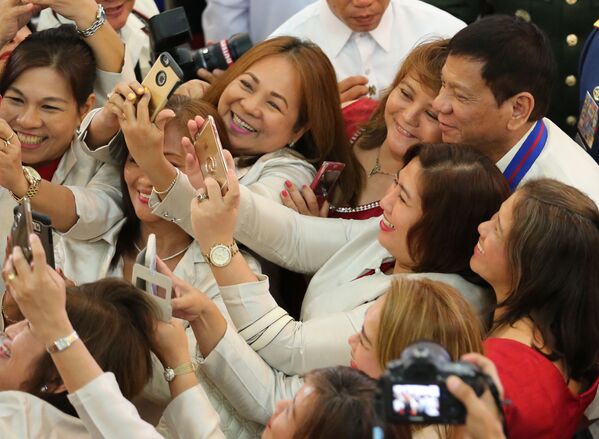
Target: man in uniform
[[567, 23]]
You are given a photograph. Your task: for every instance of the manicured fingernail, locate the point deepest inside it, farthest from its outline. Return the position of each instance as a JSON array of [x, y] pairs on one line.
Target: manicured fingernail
[[305, 186], [131, 96], [284, 193], [288, 183], [141, 90]]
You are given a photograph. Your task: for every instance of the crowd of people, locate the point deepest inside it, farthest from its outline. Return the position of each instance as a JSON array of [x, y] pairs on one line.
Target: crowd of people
[[463, 216]]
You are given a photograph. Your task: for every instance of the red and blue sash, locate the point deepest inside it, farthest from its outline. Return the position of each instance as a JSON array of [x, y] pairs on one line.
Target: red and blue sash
[[526, 155]]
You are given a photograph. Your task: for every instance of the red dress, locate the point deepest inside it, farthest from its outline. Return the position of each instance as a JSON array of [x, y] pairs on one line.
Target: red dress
[[357, 113], [358, 213], [541, 406]]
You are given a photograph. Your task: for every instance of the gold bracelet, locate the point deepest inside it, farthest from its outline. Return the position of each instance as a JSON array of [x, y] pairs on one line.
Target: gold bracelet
[[170, 186]]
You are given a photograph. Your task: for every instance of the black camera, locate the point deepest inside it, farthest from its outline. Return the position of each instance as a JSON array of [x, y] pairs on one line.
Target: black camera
[[170, 32], [412, 390]]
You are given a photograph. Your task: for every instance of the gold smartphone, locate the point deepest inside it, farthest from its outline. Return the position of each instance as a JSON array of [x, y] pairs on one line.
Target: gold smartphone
[[161, 80], [210, 154]]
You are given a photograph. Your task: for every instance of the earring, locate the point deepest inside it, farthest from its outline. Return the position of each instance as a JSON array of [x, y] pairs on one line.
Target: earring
[[44, 388], [291, 144]]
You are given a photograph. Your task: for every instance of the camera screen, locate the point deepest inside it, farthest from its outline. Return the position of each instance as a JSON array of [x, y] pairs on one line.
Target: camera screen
[[417, 400]]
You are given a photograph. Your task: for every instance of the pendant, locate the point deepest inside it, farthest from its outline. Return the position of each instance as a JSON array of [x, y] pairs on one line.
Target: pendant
[[375, 170]]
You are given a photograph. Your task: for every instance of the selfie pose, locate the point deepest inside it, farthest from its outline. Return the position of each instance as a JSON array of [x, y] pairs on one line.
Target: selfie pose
[[404, 117], [45, 97], [280, 106]]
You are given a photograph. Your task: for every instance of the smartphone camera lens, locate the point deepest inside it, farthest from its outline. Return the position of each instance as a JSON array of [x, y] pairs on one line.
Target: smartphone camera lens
[[165, 60], [160, 78]]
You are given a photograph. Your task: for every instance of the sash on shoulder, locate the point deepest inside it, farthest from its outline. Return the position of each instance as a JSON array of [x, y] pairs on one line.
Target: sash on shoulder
[[526, 155]]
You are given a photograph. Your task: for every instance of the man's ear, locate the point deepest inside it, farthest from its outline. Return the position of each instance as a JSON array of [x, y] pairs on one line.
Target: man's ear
[[521, 106]]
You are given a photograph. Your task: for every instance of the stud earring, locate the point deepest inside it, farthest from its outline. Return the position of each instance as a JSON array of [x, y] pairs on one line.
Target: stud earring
[[44, 388]]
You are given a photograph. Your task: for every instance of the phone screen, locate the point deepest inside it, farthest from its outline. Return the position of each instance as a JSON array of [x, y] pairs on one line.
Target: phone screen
[[417, 400]]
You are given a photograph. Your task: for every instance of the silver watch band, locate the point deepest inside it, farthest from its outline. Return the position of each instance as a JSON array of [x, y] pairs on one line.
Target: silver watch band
[[100, 20]]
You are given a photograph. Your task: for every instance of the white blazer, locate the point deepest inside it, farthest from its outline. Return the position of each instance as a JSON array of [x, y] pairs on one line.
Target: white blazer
[[104, 413], [96, 188]]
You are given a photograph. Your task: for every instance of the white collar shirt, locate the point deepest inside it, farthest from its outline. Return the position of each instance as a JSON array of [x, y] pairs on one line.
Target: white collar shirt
[[561, 159], [376, 54]]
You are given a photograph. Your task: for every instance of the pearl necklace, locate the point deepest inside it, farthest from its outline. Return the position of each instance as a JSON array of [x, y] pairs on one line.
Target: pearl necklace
[[168, 258]]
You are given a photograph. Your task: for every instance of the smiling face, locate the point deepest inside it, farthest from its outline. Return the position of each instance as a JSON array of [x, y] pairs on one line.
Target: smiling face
[[261, 106], [7, 49], [490, 259], [467, 109], [409, 117], [364, 343], [39, 106], [20, 352], [359, 15], [138, 183], [117, 11], [402, 208], [289, 415]]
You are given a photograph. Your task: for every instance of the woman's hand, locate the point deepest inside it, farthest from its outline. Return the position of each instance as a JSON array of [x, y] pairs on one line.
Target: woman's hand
[[483, 419], [169, 343], [145, 139], [213, 218], [14, 14], [82, 12], [11, 170], [192, 164], [39, 291], [303, 201], [187, 302]]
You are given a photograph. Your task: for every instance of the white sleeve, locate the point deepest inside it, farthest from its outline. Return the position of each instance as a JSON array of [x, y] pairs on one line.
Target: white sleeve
[[291, 346], [251, 386], [297, 242], [98, 204], [107, 414], [223, 18], [106, 81], [190, 415]]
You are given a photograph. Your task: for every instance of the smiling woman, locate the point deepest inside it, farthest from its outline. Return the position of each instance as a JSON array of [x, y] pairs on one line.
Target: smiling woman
[[45, 99]]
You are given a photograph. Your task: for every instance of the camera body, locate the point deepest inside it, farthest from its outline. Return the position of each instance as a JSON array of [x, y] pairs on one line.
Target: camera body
[[170, 32], [413, 391]]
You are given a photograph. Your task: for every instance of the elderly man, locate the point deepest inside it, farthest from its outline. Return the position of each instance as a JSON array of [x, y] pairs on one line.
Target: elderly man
[[366, 40], [496, 86]]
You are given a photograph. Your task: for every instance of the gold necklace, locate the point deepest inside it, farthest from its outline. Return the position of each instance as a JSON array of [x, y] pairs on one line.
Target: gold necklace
[[376, 169]]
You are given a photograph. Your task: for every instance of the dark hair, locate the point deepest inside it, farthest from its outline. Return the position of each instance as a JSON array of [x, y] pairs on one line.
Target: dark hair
[[185, 109], [517, 57], [553, 249], [459, 189], [320, 108], [423, 63], [343, 406], [115, 321], [61, 49]]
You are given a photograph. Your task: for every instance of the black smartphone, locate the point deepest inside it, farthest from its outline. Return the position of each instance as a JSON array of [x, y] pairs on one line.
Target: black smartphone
[[26, 222]]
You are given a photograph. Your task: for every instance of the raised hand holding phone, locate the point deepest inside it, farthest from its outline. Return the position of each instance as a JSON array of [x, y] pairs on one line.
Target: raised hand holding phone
[[209, 151]]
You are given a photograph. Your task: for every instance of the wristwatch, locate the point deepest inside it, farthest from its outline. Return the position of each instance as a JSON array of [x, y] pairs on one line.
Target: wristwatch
[[100, 20], [220, 255], [34, 180], [63, 343], [170, 373]]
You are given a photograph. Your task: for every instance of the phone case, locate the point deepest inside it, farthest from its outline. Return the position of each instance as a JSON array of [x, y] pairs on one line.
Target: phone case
[[210, 154], [161, 80], [22, 227], [325, 179], [146, 278], [42, 227]]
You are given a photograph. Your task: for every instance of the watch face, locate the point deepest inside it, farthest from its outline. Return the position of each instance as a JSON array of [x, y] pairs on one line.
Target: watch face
[[220, 255], [169, 374]]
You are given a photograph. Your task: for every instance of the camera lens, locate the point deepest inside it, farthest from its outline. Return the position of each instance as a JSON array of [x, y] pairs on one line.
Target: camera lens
[[164, 59], [160, 78]]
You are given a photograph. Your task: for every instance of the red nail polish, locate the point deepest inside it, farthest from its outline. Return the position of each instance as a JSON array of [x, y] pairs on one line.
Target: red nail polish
[[288, 183], [284, 193], [304, 186]]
